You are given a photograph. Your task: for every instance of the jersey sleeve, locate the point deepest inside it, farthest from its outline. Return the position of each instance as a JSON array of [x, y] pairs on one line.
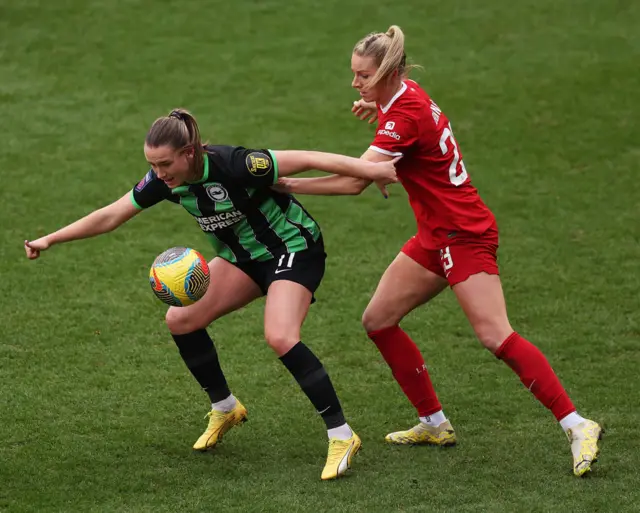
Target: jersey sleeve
[[395, 135], [149, 191], [252, 168]]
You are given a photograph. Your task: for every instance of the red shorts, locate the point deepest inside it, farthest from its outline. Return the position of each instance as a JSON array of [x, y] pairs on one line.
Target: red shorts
[[464, 257]]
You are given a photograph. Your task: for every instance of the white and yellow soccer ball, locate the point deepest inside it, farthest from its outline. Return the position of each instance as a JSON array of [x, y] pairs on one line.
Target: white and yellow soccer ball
[[179, 276]]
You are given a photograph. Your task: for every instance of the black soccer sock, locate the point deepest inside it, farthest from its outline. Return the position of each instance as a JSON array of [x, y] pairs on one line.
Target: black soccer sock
[[200, 356], [315, 383]]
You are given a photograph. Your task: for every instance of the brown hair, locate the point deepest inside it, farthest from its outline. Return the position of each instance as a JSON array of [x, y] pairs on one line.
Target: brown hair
[[178, 130], [387, 50]]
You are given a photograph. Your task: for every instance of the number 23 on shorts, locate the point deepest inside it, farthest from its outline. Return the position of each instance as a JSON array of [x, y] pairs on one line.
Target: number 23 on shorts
[[447, 261]]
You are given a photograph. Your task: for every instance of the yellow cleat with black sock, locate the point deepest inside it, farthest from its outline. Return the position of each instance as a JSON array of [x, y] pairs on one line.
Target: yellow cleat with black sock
[[219, 423], [341, 452], [584, 446], [424, 434]]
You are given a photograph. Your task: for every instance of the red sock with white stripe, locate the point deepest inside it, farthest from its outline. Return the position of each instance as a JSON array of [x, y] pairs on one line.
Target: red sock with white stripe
[[408, 368], [535, 372]]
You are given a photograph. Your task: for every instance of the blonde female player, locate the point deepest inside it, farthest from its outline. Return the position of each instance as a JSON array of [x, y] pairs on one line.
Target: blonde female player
[[455, 246], [267, 244]]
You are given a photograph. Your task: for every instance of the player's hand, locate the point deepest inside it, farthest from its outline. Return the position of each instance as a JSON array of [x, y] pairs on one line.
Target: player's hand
[[365, 110], [283, 185], [384, 173], [33, 248], [383, 189], [382, 182]]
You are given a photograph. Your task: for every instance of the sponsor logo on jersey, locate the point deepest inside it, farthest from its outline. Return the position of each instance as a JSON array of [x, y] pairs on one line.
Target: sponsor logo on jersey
[[142, 183], [217, 192], [389, 125], [258, 164], [388, 133], [219, 221]]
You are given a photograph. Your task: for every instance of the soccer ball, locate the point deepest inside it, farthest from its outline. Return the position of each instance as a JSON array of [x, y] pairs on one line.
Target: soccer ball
[[179, 276]]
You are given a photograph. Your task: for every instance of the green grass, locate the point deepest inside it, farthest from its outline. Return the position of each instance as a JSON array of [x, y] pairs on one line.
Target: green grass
[[98, 412]]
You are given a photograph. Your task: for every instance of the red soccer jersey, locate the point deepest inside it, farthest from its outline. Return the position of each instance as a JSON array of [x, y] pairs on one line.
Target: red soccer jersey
[[444, 202]]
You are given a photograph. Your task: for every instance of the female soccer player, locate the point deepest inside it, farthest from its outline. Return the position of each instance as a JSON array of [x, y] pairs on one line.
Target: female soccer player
[[266, 244], [456, 245]]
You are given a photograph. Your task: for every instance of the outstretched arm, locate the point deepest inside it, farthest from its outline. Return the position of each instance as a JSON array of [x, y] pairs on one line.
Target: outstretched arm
[[323, 185], [294, 161], [100, 221], [335, 185]]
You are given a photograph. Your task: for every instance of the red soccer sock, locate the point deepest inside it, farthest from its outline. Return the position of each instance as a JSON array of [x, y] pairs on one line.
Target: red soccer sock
[[535, 372], [408, 368]]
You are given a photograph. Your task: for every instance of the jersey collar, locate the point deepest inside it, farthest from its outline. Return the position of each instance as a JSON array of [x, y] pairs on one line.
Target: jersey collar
[[395, 97], [205, 174], [181, 189]]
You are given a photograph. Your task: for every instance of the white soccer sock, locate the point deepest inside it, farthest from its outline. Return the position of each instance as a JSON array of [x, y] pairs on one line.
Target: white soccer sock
[[341, 432], [435, 419], [571, 421], [226, 405]]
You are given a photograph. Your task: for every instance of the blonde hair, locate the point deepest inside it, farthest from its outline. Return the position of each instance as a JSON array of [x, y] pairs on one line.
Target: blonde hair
[[177, 130], [387, 51]]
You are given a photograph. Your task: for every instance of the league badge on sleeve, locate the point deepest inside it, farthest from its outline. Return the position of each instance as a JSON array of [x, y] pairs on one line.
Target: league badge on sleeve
[[142, 183], [258, 163]]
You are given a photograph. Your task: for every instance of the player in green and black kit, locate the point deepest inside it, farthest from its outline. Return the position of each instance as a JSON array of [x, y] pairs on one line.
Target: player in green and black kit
[[266, 244]]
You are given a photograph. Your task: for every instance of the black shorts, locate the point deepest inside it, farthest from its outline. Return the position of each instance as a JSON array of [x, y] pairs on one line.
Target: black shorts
[[305, 267]]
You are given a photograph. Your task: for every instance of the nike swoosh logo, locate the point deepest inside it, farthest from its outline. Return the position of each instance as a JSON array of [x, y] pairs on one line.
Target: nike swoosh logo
[[320, 412], [278, 271]]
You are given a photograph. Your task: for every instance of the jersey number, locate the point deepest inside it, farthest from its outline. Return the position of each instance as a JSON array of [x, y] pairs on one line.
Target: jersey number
[[280, 269], [457, 172], [447, 261]]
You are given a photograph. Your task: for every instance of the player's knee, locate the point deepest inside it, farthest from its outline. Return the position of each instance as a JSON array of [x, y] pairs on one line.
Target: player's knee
[[180, 322], [492, 336], [373, 321], [281, 341]]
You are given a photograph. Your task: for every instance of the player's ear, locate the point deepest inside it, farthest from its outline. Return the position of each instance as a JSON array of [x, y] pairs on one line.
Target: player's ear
[[188, 151]]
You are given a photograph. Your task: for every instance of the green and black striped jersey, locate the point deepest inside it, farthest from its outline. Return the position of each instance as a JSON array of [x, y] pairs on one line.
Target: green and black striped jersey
[[235, 207]]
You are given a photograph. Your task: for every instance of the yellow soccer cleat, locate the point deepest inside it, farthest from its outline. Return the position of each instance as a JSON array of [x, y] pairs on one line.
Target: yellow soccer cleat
[[219, 423], [341, 452], [584, 445], [423, 434]]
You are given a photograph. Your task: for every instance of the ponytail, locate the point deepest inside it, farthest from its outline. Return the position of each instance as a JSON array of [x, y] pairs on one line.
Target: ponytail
[[387, 51]]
